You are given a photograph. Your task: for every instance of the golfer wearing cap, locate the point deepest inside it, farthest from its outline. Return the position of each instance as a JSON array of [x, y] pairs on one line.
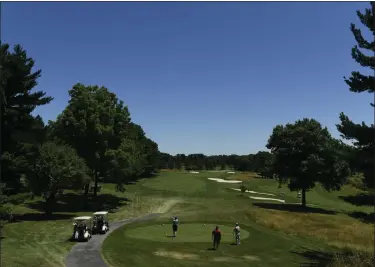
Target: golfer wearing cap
[[236, 233]]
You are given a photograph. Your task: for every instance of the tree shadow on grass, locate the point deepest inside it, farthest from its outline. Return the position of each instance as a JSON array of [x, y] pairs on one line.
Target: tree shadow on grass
[[315, 258], [362, 199], [144, 176], [39, 217], [293, 208], [363, 216], [70, 202]]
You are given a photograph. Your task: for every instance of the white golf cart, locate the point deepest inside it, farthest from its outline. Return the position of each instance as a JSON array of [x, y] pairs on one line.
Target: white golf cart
[[100, 222], [82, 228]]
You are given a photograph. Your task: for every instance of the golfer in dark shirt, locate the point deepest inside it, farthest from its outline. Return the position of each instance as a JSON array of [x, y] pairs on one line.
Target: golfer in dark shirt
[[216, 237]]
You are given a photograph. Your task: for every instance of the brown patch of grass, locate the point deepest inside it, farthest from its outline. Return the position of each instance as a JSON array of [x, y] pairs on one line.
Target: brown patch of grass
[[223, 259], [251, 258], [176, 255], [337, 230]]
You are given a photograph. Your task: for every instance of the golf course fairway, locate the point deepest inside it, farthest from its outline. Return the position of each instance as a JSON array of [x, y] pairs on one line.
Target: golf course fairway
[[190, 232]]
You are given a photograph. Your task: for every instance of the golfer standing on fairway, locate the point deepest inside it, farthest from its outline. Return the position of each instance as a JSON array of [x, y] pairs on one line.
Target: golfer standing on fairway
[[174, 225], [216, 237], [236, 233]]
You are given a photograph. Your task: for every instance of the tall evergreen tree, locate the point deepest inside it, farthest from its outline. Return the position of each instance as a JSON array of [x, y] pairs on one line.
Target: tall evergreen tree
[[19, 128], [362, 135]]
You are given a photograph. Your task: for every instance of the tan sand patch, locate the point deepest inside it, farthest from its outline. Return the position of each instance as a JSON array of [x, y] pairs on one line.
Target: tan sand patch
[[254, 192], [223, 259], [251, 258], [266, 198], [219, 180], [177, 255], [166, 206]]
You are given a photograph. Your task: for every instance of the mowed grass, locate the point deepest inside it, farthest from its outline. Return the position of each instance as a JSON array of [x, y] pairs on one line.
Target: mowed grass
[[34, 240], [188, 232], [290, 235], [193, 247]]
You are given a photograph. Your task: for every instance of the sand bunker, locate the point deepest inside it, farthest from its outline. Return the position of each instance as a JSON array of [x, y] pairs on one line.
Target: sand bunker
[[266, 198], [231, 172], [177, 255], [253, 192], [224, 181], [194, 172]]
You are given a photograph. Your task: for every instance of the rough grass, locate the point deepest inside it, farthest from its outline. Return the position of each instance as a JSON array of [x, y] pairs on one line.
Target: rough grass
[[350, 259]]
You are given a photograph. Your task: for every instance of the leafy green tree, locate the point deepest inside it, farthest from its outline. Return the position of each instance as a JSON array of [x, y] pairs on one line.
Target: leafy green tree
[[305, 153], [127, 162], [263, 163], [57, 167], [93, 123], [151, 152], [19, 128], [362, 135]]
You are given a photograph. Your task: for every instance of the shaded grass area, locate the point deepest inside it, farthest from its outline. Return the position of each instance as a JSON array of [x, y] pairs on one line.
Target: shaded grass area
[[360, 199], [73, 202], [34, 239]]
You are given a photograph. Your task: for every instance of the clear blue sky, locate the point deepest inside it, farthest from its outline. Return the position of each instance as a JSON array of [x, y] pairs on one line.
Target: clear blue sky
[[198, 77]]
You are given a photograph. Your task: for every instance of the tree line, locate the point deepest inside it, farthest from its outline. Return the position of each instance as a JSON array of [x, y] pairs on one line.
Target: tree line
[[93, 140], [260, 162]]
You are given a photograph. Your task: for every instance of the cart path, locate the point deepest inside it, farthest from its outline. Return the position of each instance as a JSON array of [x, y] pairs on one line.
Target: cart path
[[88, 254]]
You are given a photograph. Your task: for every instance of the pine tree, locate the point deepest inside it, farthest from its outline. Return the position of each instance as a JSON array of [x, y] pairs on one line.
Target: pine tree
[[19, 128], [362, 135]]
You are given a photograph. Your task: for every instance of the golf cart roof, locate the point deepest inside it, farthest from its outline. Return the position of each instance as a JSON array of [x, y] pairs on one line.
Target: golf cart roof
[[101, 213], [82, 218]]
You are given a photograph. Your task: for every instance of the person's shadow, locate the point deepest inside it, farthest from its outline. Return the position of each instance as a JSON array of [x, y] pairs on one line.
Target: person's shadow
[[169, 236]]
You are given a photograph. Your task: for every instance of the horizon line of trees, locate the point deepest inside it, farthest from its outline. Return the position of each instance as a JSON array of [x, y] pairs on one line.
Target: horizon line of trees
[[260, 162]]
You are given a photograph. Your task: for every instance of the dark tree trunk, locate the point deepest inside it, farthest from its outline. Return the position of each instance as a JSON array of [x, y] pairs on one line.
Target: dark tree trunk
[[49, 204], [95, 183], [87, 187], [86, 197], [304, 198]]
